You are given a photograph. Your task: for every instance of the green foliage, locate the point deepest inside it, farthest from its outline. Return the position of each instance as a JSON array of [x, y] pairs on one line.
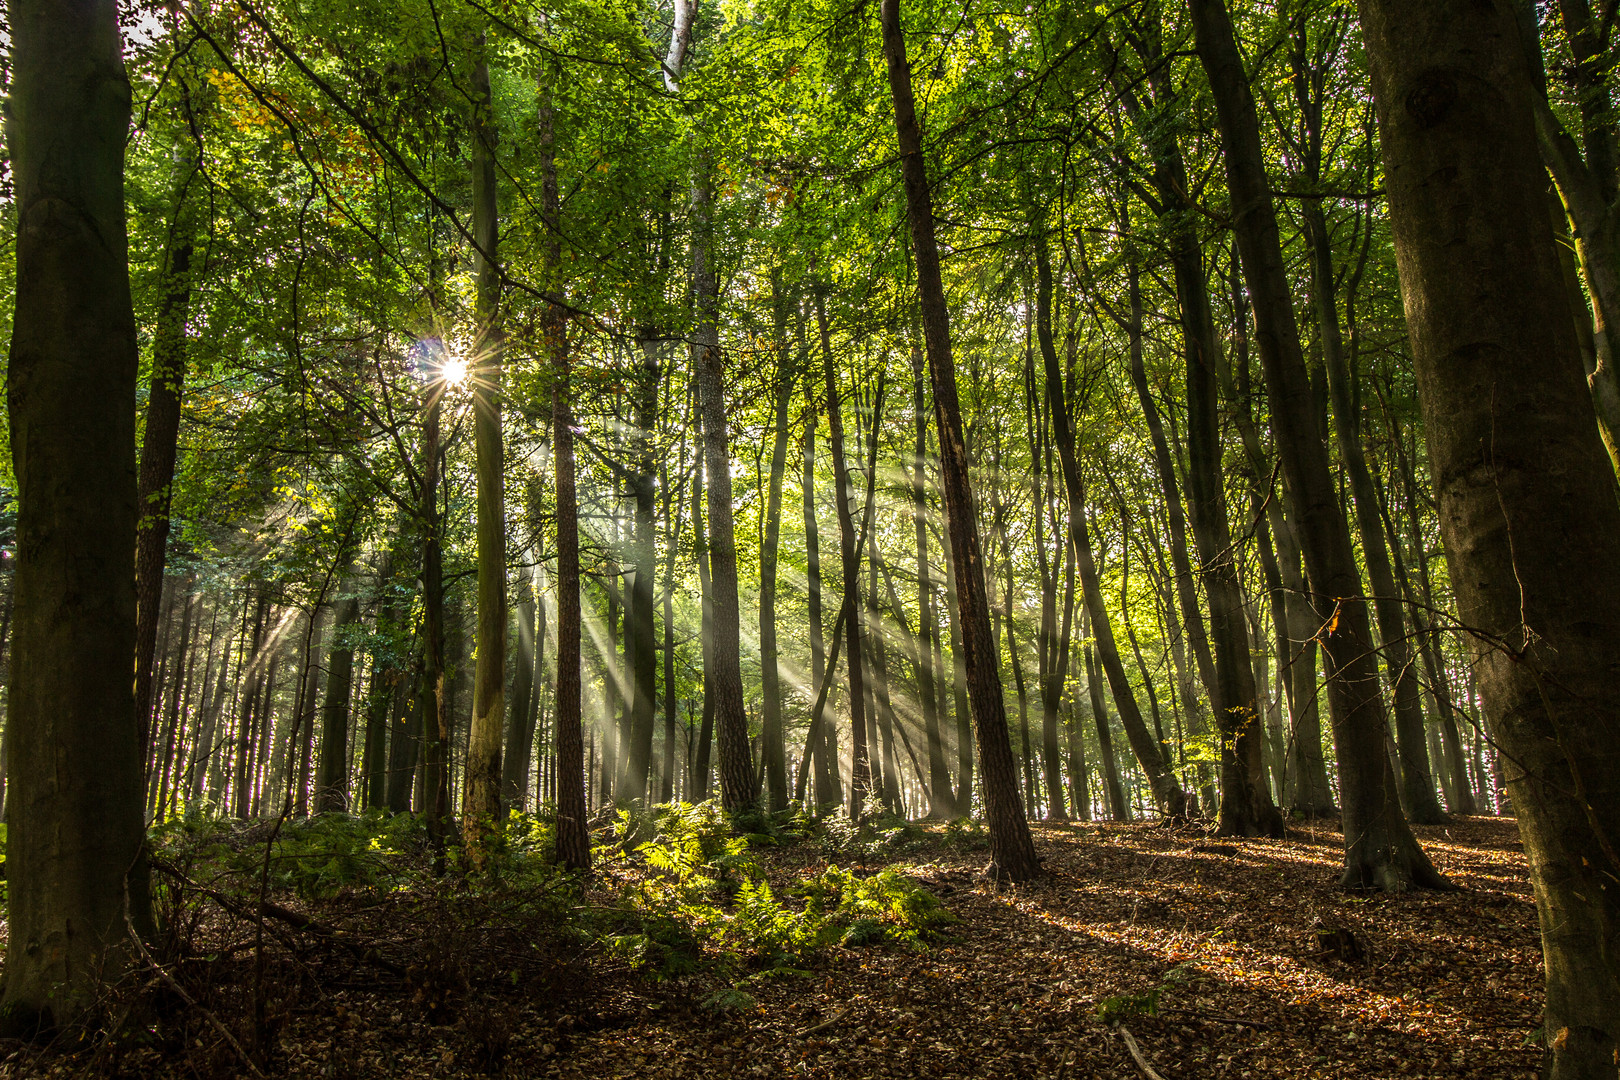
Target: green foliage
[[1122, 1007], [319, 857], [966, 834], [705, 904], [878, 838]]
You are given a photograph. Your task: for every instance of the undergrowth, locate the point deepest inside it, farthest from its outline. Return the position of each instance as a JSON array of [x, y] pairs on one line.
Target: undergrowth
[[697, 900], [681, 891]]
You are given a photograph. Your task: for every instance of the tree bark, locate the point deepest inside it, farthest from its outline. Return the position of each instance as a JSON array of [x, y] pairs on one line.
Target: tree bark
[[940, 795], [482, 810], [1380, 850], [573, 838], [1167, 792], [76, 852], [772, 749], [160, 444], [1527, 507], [1417, 782], [1012, 851], [332, 776], [849, 559], [824, 747], [737, 790]]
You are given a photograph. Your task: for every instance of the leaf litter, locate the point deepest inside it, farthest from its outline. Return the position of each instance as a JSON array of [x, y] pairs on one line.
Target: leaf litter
[[1216, 957]]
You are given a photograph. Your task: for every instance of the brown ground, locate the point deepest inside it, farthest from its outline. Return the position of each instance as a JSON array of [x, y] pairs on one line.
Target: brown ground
[[1229, 931]]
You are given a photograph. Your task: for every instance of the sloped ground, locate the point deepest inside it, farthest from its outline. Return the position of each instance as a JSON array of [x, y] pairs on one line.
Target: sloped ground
[[1208, 952]]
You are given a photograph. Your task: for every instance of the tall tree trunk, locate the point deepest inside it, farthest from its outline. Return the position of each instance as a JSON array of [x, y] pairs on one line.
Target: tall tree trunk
[[700, 539], [481, 808], [1527, 504], [332, 777], [940, 795], [515, 759], [573, 837], [860, 782], [1417, 783], [1012, 851], [640, 614], [1113, 790], [959, 682], [433, 696], [160, 443], [737, 790], [1246, 807], [772, 749], [1380, 850], [824, 747], [1167, 792]]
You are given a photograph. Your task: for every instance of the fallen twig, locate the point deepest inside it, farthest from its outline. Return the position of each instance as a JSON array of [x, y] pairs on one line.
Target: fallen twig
[[823, 1026], [1136, 1052], [297, 920], [1234, 1020], [187, 998]]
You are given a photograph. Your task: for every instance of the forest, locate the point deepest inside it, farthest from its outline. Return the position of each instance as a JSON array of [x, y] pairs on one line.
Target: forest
[[819, 538]]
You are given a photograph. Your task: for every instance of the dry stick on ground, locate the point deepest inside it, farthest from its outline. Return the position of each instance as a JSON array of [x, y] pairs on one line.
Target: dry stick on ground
[[187, 998], [366, 953], [823, 1026], [1136, 1052]]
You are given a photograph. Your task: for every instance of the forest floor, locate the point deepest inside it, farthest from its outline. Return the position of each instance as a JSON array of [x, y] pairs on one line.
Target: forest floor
[[1215, 957]]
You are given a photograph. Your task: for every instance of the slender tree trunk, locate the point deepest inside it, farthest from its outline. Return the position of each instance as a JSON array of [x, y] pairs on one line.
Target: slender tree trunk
[[959, 681], [775, 760], [1167, 790], [433, 696], [823, 748], [725, 681], [332, 778], [1527, 504], [849, 557], [160, 443], [516, 758], [940, 795], [1012, 851], [1380, 850], [1113, 790], [482, 809], [1421, 804], [640, 614], [1246, 808], [573, 838]]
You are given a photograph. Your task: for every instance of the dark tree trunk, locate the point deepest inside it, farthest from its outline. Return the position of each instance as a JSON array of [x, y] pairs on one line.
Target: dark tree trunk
[[640, 614], [1380, 850], [737, 790], [700, 539], [573, 838], [1012, 851], [823, 747], [433, 695], [1246, 808], [1526, 494], [1417, 782], [159, 446], [940, 795], [332, 777], [860, 784], [482, 810], [1167, 791], [516, 758], [771, 742]]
